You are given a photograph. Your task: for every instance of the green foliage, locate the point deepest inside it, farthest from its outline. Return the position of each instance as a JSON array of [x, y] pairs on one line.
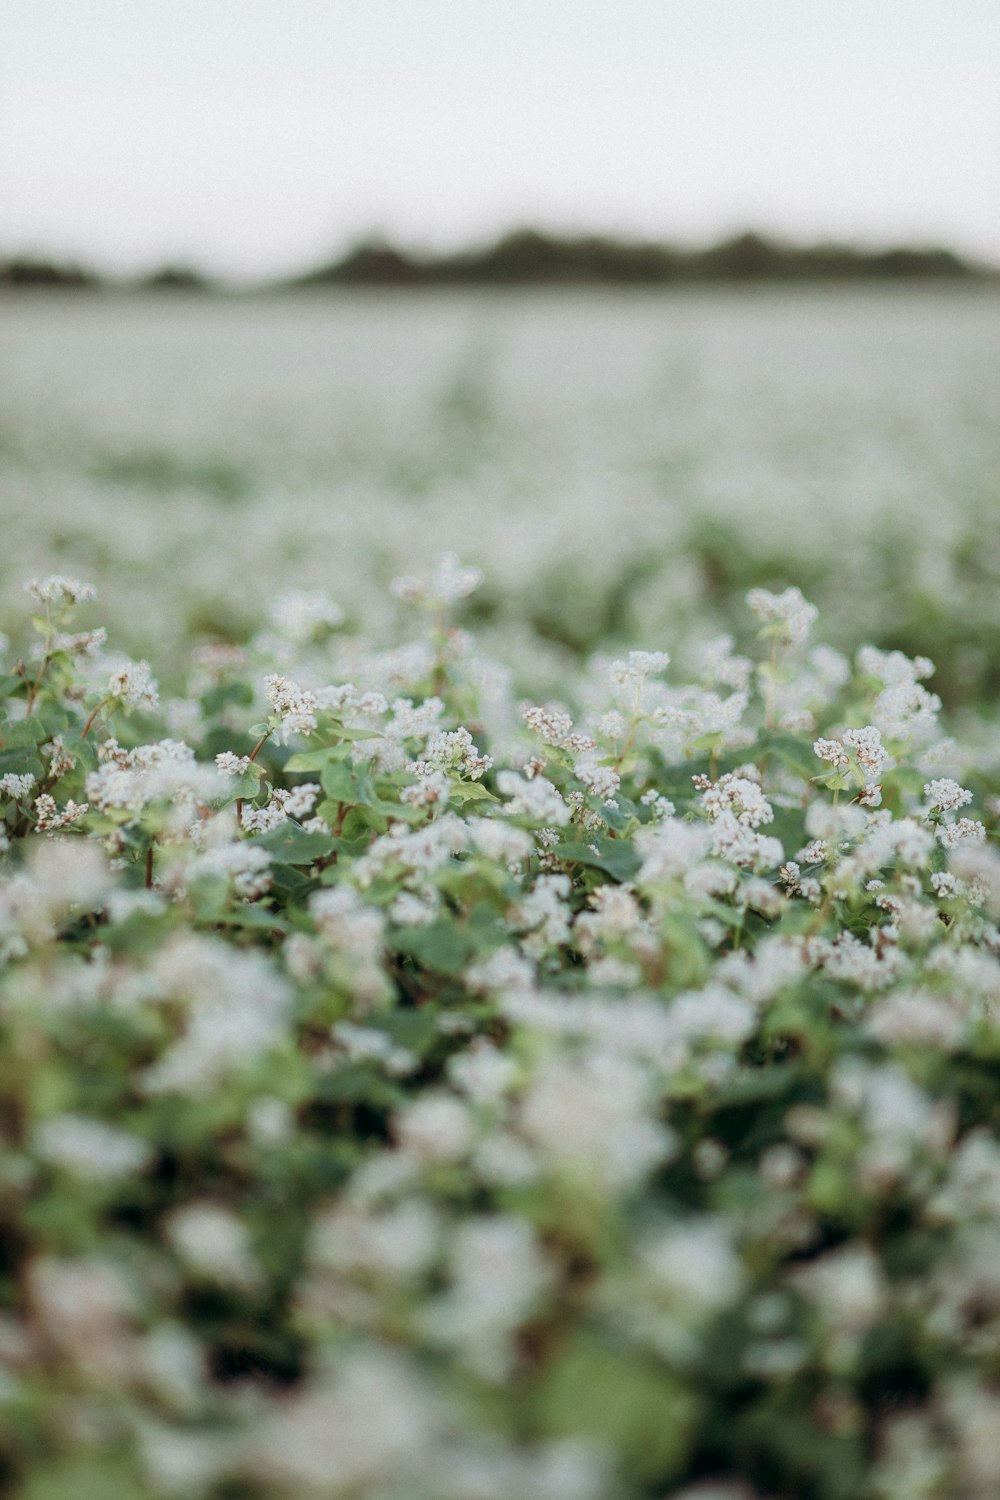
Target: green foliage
[[577, 1106]]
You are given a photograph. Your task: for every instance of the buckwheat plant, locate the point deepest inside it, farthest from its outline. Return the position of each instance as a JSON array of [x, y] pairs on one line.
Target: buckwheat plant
[[413, 1091]]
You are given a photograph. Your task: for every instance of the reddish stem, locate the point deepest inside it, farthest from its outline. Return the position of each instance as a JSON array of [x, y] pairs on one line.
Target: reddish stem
[[149, 868], [33, 691], [87, 727], [627, 745]]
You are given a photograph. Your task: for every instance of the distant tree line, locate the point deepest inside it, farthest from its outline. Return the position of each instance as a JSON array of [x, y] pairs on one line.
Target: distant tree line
[[22, 271], [34, 272], [531, 257]]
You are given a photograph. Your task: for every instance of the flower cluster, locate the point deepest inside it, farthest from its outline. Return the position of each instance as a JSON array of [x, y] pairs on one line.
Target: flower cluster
[[411, 1090]]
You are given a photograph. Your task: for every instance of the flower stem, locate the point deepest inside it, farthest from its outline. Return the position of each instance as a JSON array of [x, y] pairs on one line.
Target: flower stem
[[87, 727], [46, 658], [33, 690]]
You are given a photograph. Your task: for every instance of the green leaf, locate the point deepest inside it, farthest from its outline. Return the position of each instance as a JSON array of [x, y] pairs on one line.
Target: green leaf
[[442, 945], [794, 752], [244, 786], [222, 694], [83, 1477], [359, 1083], [21, 763], [471, 791], [343, 783], [23, 734], [624, 1400], [416, 1030], [257, 918], [292, 845], [615, 858], [757, 1085], [619, 817], [315, 760]]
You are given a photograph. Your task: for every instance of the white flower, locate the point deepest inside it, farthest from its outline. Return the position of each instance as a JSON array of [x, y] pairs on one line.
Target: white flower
[[505, 970], [536, 800], [165, 771], [454, 750], [246, 864], [482, 1072], [869, 751], [551, 725], [213, 1242], [668, 849], [85, 1309], [500, 841], [789, 616], [739, 797], [60, 759], [264, 819], [965, 831], [833, 752], [694, 1265], [57, 589], [436, 1128], [892, 668], [82, 643], [905, 710], [718, 664], [236, 1006], [295, 706], [637, 666], [367, 1427], [12, 785], [301, 800], [298, 614], [49, 817], [412, 910], [498, 1272], [413, 721], [89, 1148], [945, 795], [429, 790], [591, 1118], [232, 765], [847, 1285], [602, 781], [132, 684], [449, 582]]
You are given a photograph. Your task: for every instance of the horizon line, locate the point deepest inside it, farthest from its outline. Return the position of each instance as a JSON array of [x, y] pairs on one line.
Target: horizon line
[[529, 255]]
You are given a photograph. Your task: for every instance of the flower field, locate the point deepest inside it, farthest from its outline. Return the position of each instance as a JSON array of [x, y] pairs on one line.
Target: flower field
[[472, 1030], [622, 468]]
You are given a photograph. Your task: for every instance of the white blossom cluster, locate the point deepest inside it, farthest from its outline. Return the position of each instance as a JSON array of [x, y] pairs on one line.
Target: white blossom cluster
[[428, 1093]]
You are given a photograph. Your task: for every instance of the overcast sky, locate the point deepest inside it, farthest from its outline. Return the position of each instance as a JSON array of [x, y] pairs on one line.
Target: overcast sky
[[254, 136]]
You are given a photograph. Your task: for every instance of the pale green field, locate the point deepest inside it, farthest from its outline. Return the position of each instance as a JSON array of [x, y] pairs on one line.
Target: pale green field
[[621, 465]]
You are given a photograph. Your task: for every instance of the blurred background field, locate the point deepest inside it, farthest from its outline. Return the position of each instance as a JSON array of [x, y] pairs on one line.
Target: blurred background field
[[623, 465]]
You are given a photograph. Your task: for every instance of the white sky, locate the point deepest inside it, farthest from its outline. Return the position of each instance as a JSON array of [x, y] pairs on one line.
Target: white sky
[[257, 136]]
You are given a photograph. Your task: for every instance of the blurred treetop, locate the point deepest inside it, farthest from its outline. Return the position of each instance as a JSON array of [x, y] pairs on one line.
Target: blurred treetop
[[532, 257]]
